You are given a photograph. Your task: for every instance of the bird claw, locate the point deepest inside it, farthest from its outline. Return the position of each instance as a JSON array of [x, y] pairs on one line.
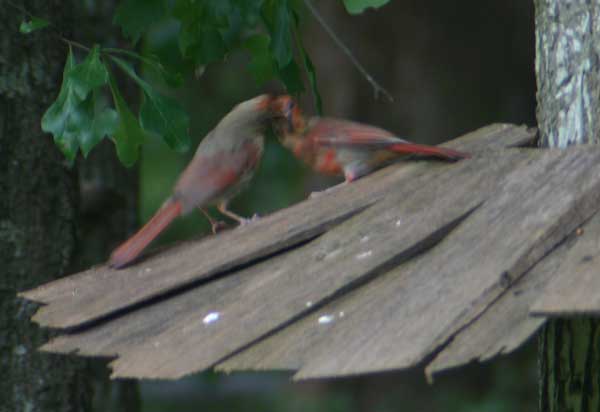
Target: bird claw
[[246, 221], [217, 226]]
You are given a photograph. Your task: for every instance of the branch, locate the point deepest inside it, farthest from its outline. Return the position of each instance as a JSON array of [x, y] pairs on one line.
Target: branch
[[74, 43], [377, 88], [51, 27]]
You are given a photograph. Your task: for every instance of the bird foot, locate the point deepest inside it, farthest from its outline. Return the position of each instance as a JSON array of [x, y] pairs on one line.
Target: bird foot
[[217, 225], [246, 221]]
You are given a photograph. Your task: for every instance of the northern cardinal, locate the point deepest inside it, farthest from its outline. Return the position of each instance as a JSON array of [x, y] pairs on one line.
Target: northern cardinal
[[223, 163], [336, 147]]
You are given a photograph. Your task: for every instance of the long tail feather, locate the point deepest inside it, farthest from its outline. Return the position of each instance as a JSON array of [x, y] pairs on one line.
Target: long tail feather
[[419, 149], [131, 249]]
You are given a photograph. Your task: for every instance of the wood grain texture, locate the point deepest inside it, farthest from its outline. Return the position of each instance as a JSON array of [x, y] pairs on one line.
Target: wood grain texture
[[506, 324], [101, 291], [375, 289], [254, 301], [575, 291], [295, 345], [441, 292], [423, 297]]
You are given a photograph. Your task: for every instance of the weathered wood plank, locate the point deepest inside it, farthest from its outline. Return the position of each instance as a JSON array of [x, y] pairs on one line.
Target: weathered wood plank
[[268, 295], [576, 290], [503, 327], [419, 308], [292, 347], [506, 324], [101, 291]]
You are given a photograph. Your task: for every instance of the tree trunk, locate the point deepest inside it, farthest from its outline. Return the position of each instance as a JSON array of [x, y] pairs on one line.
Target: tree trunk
[[568, 71], [38, 215], [568, 76]]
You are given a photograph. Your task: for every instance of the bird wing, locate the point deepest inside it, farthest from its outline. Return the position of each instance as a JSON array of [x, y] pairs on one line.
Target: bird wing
[[336, 132], [209, 178]]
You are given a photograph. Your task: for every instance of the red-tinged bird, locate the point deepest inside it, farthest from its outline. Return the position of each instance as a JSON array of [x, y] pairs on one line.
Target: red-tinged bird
[[223, 164], [336, 146]]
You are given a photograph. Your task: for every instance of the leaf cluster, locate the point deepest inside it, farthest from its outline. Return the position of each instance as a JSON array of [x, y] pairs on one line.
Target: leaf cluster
[[79, 118], [209, 30]]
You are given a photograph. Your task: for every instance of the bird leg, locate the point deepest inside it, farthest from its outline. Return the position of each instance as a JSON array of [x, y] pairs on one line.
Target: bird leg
[[222, 207], [215, 225]]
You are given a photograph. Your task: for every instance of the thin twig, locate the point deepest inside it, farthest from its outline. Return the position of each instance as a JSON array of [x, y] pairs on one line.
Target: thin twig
[[74, 43], [21, 9], [51, 27], [377, 88]]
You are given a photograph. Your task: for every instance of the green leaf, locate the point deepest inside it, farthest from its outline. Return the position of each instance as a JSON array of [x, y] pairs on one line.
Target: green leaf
[[34, 24], [159, 114], [87, 126], [249, 11], [135, 16], [277, 16], [244, 16], [53, 121], [72, 119], [203, 27], [291, 77], [74, 122], [261, 64], [358, 6], [128, 135], [185, 11], [56, 119], [88, 75], [99, 123], [207, 46], [312, 77], [167, 119], [169, 75]]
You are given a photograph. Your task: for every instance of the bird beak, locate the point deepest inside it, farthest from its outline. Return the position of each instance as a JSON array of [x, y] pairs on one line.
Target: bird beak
[[289, 116]]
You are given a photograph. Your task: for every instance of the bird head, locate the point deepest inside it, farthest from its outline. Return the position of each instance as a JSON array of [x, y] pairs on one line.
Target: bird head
[[253, 113], [287, 117]]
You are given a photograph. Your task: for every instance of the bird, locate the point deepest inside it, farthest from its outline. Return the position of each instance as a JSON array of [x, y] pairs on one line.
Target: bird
[[342, 147], [222, 166]]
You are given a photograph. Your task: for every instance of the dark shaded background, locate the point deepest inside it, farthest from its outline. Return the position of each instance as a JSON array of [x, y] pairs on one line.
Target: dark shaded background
[[452, 67]]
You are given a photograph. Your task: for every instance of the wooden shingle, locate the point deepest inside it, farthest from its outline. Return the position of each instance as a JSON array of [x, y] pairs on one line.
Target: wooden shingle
[[419, 262]]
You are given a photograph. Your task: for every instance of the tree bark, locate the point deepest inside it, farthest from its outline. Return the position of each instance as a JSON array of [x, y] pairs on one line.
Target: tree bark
[[568, 76], [569, 359], [38, 214], [568, 71]]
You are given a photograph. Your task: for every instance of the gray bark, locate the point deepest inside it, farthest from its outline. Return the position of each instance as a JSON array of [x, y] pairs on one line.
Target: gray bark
[[38, 215], [53, 219], [567, 68], [568, 76]]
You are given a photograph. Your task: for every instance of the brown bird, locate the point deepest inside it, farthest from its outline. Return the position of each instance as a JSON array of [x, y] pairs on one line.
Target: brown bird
[[336, 146], [223, 164]]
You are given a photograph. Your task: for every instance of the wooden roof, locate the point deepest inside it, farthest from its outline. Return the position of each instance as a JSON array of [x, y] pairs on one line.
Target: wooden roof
[[423, 263]]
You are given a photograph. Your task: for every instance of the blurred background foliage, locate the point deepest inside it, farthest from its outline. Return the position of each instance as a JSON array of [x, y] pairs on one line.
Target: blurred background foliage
[[451, 67]]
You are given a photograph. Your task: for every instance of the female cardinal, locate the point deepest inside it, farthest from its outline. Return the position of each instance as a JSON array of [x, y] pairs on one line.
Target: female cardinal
[[223, 163], [335, 146]]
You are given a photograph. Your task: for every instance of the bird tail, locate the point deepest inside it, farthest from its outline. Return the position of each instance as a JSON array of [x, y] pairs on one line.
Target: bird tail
[[131, 249], [419, 149]]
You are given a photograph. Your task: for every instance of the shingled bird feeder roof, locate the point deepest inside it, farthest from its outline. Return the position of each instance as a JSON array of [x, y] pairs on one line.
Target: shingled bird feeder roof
[[421, 263]]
